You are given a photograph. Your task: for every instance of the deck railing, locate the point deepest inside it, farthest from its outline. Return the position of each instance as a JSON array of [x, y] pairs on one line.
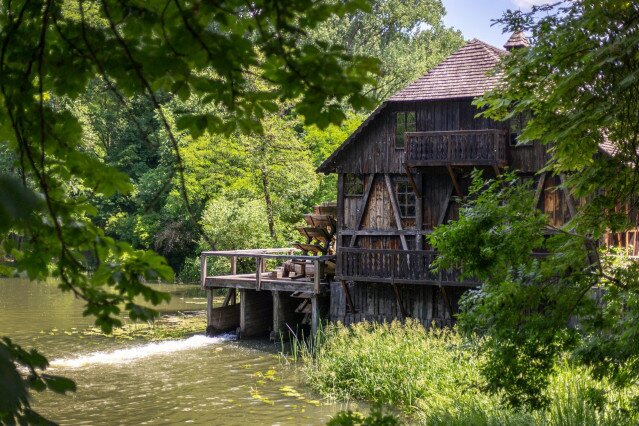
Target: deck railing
[[394, 266], [261, 279], [459, 147]]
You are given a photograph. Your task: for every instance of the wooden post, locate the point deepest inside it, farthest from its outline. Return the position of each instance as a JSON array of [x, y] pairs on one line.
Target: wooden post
[[276, 316], [314, 316], [258, 274], [243, 301], [419, 214], [209, 310], [233, 265], [318, 275], [347, 294], [203, 271], [232, 292]]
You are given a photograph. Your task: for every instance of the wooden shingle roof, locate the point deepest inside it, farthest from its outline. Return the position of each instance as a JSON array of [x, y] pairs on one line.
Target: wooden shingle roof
[[464, 74], [517, 39]]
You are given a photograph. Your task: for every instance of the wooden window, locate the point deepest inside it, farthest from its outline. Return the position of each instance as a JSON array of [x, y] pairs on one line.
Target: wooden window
[[517, 125], [404, 122], [353, 185], [405, 199]]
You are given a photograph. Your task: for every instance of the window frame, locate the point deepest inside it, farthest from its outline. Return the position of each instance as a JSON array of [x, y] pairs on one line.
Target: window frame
[[406, 199], [348, 186], [405, 121], [516, 125]]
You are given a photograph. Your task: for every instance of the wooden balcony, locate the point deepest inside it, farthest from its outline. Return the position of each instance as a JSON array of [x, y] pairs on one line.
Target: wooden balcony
[[456, 148], [394, 267]]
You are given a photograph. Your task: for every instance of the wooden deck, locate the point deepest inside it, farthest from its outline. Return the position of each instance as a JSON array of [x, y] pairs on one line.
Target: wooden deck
[[262, 303], [249, 282]]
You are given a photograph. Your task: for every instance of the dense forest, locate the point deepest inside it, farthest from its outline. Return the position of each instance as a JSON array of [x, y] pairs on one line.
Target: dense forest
[[245, 189]]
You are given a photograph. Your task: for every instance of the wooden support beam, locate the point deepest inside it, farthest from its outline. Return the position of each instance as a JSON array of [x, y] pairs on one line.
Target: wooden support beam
[[233, 265], [277, 321], [442, 215], [398, 219], [349, 299], [540, 189], [317, 278], [259, 268], [454, 179], [400, 302], [419, 215], [496, 170], [447, 300], [203, 269], [360, 214], [231, 293], [315, 316], [572, 209], [412, 181], [209, 307]]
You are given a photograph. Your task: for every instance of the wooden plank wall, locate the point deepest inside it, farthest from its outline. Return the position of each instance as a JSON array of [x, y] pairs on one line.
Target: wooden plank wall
[[374, 150], [377, 302]]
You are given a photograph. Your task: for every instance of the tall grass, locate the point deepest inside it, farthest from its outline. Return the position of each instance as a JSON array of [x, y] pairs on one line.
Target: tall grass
[[433, 376]]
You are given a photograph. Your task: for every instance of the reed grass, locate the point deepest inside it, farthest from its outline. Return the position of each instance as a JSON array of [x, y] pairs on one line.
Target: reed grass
[[434, 377]]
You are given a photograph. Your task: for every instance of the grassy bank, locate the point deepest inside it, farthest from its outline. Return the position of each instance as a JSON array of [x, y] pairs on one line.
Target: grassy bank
[[434, 378]]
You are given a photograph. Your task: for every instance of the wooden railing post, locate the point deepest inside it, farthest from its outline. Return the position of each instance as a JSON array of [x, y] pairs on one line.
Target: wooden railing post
[[318, 275], [203, 268], [258, 273], [233, 265]]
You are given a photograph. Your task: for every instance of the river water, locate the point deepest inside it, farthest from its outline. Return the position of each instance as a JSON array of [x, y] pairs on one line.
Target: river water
[[197, 380]]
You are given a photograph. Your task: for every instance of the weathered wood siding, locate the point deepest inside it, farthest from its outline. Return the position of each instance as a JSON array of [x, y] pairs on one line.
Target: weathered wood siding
[[376, 302], [374, 150]]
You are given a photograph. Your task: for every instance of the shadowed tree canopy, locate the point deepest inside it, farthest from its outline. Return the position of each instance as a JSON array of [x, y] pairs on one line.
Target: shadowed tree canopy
[[208, 53], [408, 37]]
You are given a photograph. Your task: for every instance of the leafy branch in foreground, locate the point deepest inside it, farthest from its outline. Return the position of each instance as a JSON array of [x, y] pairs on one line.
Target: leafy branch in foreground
[[569, 298], [213, 53]]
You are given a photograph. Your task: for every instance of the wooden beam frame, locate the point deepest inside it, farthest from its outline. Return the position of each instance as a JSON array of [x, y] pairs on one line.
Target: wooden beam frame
[[419, 215], [572, 209], [540, 189], [454, 179], [398, 218], [412, 181], [442, 215], [360, 215], [447, 300], [349, 299]]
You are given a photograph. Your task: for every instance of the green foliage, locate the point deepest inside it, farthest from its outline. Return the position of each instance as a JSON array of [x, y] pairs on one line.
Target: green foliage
[[579, 80], [375, 418], [529, 307], [394, 364], [408, 38], [434, 377], [15, 406], [144, 54]]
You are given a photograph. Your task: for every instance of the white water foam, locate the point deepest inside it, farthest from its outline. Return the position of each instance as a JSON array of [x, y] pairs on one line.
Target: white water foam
[[135, 353]]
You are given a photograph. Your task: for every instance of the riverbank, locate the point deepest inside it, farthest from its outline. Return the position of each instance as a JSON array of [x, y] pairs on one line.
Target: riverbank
[[433, 377]]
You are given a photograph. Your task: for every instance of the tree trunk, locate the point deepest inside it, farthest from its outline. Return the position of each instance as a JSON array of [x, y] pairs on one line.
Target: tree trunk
[[268, 202]]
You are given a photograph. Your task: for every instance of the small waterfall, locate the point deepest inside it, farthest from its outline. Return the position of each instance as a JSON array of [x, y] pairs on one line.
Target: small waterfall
[[135, 353]]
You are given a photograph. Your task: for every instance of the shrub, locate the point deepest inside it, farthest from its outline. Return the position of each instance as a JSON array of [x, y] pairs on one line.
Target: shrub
[[434, 377]]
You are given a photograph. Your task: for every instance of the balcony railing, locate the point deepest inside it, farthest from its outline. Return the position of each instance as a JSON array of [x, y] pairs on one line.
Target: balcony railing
[[395, 267], [461, 148]]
